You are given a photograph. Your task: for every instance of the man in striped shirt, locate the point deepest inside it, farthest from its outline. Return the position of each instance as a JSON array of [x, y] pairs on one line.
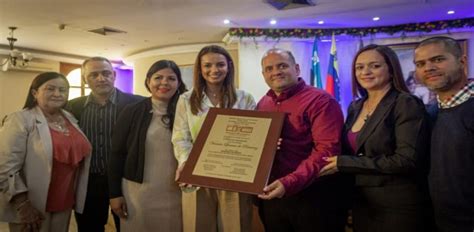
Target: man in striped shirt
[[97, 114]]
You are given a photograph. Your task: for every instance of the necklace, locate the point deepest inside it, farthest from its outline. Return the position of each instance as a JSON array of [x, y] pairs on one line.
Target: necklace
[[366, 118], [369, 111], [213, 91], [376, 98], [214, 98], [58, 124], [209, 93]]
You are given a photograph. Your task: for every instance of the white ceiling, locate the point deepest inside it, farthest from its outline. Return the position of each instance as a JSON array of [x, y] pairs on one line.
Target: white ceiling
[[151, 24]]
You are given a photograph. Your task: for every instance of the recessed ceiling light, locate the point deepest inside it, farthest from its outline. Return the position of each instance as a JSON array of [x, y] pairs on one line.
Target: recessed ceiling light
[[451, 12], [273, 22], [321, 22], [376, 18], [226, 21]]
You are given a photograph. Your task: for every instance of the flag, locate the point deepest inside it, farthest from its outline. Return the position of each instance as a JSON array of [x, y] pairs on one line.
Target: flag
[[315, 70], [332, 79]]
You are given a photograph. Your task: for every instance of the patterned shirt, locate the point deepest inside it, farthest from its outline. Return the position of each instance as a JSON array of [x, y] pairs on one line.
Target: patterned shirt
[[97, 122], [187, 125], [460, 97]]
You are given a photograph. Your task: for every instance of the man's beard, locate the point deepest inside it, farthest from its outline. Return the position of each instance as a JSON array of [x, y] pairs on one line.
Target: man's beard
[[448, 82]]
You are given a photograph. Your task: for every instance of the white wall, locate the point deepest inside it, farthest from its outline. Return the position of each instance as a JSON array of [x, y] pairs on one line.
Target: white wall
[[247, 56], [250, 55], [14, 87], [141, 66], [182, 55], [251, 52]]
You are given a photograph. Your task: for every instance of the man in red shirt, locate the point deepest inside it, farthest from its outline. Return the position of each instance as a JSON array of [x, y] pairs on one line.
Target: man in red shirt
[[296, 199]]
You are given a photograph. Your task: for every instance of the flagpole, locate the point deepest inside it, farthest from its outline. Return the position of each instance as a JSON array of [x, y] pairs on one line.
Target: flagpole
[[332, 78], [315, 67]]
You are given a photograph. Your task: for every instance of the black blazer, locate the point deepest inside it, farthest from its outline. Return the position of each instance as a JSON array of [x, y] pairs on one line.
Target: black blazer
[[127, 156], [392, 147]]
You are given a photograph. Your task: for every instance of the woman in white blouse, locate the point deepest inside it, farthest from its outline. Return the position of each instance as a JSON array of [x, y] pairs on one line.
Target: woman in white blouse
[[207, 209]]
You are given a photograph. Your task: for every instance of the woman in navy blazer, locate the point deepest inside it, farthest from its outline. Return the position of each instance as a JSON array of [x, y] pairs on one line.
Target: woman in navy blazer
[[385, 144]]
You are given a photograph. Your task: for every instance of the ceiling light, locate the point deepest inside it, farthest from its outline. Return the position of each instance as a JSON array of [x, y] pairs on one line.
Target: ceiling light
[[15, 58], [451, 12], [226, 21], [376, 18], [321, 22], [273, 22]]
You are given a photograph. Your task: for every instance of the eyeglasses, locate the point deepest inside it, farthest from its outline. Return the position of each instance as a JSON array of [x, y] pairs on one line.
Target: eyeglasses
[[105, 73]]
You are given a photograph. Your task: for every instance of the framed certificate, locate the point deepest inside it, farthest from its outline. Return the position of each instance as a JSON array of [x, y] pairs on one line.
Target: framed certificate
[[234, 150]]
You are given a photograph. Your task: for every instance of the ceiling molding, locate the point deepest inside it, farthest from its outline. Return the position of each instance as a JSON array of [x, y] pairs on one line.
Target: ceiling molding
[[63, 26], [177, 49]]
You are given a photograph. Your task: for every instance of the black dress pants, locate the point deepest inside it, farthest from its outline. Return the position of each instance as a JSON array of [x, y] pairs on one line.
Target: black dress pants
[[314, 209], [96, 209]]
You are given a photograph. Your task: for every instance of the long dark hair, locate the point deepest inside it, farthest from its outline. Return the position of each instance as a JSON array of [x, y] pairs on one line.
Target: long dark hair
[[228, 93], [167, 119], [394, 70], [37, 83]]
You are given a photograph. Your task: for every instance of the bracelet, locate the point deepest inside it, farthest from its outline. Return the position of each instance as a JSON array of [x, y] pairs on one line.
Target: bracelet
[[22, 204]]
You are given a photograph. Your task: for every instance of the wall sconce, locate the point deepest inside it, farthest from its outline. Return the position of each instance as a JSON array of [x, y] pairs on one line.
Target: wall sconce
[[15, 58]]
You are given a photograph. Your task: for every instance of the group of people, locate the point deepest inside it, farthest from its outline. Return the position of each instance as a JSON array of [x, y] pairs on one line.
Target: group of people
[[392, 165]]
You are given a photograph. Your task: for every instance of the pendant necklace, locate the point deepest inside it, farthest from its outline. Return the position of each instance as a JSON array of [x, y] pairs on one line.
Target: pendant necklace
[[212, 94], [213, 97], [366, 118], [369, 113], [59, 125]]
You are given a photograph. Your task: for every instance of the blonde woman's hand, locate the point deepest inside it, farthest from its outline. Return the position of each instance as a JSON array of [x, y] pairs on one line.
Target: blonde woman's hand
[[178, 171], [184, 187]]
